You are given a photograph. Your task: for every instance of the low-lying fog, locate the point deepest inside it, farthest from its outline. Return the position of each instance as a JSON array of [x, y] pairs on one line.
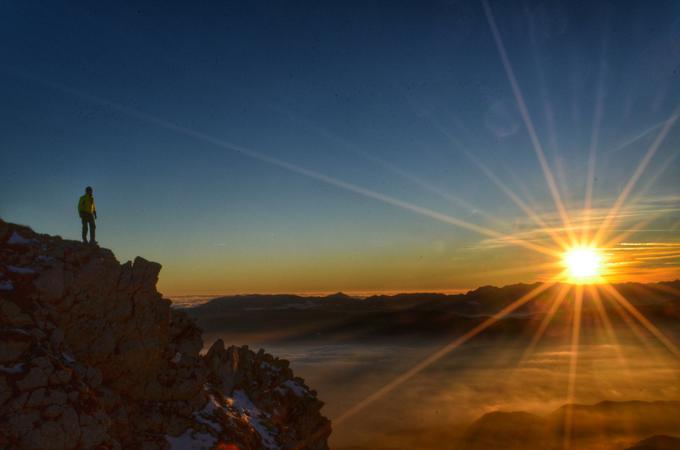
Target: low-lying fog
[[434, 408]]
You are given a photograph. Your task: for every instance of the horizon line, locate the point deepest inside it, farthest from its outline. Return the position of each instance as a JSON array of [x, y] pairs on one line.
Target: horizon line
[[393, 292]]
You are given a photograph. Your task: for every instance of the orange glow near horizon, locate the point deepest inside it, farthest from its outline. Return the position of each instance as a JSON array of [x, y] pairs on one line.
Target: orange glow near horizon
[[372, 207], [583, 259]]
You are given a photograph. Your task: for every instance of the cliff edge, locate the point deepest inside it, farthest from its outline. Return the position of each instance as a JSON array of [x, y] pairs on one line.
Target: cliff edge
[[92, 356]]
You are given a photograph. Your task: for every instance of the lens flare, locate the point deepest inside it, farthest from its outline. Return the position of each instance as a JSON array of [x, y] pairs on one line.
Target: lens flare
[[583, 264]]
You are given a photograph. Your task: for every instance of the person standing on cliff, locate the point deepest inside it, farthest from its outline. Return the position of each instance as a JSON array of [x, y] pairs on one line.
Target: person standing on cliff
[[88, 213]]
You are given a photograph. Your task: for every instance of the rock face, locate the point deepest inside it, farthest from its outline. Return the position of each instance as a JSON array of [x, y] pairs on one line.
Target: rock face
[[91, 356]]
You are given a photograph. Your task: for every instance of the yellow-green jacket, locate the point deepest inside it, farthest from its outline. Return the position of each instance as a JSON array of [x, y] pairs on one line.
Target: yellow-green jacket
[[86, 205]]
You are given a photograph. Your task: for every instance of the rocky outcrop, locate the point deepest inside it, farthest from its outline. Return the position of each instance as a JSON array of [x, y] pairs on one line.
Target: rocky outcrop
[[92, 356]]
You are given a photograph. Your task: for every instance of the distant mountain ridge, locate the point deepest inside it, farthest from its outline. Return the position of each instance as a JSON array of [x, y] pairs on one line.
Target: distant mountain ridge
[[420, 315], [521, 430], [604, 422], [659, 291]]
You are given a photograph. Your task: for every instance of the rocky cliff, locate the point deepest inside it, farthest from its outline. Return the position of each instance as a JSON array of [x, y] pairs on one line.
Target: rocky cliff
[[92, 356]]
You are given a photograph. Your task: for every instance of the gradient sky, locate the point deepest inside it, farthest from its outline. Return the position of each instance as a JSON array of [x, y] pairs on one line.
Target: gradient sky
[[246, 145]]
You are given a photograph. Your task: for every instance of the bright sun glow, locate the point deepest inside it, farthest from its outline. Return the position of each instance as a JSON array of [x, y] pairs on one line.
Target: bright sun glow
[[583, 263]]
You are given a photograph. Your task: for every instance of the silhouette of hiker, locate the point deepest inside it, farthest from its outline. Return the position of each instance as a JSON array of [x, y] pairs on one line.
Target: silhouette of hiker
[[87, 212]]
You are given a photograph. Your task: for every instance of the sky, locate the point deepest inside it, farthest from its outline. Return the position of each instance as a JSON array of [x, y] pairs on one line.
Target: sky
[[346, 146]]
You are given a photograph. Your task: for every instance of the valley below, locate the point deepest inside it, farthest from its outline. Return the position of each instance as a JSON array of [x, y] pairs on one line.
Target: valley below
[[496, 391]]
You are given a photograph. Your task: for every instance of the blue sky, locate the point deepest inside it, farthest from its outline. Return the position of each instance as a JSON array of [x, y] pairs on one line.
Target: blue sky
[[370, 93]]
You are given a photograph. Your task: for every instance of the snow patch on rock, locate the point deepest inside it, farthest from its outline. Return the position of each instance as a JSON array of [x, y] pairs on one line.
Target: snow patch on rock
[[14, 369], [17, 239], [177, 358], [242, 404], [205, 415], [20, 270], [294, 387]]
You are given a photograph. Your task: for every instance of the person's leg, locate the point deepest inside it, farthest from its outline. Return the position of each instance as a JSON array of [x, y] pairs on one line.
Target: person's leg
[[84, 222], [92, 227]]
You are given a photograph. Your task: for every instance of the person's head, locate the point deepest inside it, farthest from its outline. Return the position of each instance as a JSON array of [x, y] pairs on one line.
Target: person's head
[[88, 190]]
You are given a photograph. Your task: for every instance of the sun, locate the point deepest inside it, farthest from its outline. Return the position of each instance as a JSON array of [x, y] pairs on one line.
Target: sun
[[583, 264]]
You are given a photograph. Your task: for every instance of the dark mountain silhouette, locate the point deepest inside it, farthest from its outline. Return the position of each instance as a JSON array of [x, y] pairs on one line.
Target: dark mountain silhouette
[[609, 417], [519, 430], [340, 317], [606, 422], [507, 430]]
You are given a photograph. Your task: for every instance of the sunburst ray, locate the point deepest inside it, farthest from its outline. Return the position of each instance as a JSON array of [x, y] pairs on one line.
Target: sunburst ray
[[294, 168], [609, 328], [524, 112], [439, 354], [384, 164], [573, 363], [637, 173], [592, 154], [504, 188], [633, 311], [543, 326]]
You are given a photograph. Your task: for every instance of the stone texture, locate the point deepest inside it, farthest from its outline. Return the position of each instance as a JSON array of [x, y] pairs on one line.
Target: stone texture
[[13, 346], [92, 356], [34, 379]]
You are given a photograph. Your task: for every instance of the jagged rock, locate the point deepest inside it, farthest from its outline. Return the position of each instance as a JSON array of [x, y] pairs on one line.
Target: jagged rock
[[47, 435], [11, 315], [14, 344], [69, 422], [5, 393], [222, 365], [92, 356], [36, 398], [50, 284], [61, 376], [34, 379]]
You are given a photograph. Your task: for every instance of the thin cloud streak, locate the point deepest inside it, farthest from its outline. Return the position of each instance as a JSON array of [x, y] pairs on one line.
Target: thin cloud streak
[[441, 217], [524, 111]]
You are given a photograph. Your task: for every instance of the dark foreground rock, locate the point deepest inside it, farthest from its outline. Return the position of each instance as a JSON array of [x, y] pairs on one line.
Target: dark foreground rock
[[91, 356]]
